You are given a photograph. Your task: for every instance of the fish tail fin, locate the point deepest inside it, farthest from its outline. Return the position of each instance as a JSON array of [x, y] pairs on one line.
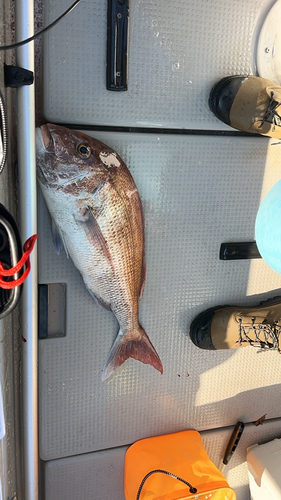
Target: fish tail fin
[[135, 345]]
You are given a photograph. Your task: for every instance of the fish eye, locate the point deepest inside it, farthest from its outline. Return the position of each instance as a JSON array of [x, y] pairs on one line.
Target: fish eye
[[84, 151]]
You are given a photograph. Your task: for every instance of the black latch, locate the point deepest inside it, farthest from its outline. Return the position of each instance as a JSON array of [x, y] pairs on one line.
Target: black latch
[[15, 77]]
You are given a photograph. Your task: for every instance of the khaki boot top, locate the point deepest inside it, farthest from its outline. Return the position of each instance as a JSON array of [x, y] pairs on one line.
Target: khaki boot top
[[250, 105], [226, 324]]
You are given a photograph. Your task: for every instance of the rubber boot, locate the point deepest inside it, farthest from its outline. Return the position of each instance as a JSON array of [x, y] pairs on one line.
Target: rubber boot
[[249, 104], [231, 327]]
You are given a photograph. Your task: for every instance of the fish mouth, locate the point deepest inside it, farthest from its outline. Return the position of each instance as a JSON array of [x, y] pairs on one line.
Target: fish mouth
[[44, 140]]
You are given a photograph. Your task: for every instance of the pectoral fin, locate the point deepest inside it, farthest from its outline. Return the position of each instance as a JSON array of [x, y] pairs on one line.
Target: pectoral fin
[[94, 233], [58, 238]]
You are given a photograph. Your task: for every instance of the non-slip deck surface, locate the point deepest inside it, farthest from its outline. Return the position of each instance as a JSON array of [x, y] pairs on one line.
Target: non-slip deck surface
[[197, 193], [177, 51], [100, 475]]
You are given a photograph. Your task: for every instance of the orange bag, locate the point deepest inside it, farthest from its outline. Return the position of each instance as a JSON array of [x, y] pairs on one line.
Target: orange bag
[[173, 467]]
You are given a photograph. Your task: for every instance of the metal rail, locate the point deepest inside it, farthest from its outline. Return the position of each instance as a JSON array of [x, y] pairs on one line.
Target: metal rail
[[28, 226], [15, 292]]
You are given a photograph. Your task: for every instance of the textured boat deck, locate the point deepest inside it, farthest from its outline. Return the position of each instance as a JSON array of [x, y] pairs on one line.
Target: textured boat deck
[[199, 189]]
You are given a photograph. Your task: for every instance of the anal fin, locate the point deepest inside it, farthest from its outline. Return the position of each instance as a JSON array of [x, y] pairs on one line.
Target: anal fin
[[100, 302]]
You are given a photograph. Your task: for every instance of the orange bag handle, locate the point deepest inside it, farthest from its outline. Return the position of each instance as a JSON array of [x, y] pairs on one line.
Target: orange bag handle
[[192, 489]]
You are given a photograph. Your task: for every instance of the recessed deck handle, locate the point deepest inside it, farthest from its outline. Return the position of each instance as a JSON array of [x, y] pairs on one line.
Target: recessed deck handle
[[117, 45], [241, 250]]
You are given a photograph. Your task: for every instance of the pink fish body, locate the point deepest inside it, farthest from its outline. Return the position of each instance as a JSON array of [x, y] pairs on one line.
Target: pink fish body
[[97, 217]]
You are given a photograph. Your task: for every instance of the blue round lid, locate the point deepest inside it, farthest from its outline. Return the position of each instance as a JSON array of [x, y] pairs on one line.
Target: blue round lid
[[268, 228]]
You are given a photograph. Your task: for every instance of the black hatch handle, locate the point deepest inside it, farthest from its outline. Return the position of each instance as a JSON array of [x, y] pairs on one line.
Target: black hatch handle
[[117, 45]]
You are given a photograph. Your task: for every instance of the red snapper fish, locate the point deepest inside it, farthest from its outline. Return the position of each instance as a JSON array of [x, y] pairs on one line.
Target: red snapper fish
[[97, 218]]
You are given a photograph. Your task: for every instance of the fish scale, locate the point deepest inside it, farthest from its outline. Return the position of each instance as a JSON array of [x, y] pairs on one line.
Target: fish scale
[[125, 276], [127, 184]]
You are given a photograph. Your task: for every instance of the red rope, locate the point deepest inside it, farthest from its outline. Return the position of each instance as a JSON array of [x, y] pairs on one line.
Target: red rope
[[25, 260]]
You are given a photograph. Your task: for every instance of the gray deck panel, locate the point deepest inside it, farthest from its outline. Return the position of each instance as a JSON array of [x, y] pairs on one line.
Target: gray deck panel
[[197, 192], [100, 475], [176, 54]]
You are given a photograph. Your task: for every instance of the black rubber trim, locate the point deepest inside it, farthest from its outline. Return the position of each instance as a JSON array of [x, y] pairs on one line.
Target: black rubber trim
[[159, 131]]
